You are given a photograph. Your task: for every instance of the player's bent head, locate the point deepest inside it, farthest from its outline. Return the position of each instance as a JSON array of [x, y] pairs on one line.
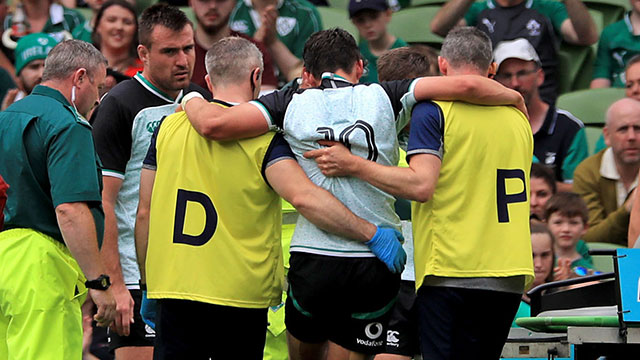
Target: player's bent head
[[467, 47], [69, 56], [329, 51], [408, 62], [160, 14], [232, 60]]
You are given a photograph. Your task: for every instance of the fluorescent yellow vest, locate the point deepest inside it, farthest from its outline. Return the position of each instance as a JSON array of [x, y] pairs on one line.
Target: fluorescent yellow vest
[[214, 233], [477, 223]]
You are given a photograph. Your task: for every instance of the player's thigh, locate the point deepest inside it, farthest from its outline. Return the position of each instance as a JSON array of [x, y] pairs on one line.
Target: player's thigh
[[140, 339], [484, 328], [402, 329]]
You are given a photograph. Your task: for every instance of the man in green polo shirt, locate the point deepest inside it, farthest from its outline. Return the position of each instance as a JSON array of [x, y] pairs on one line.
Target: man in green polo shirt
[[619, 43], [53, 216], [282, 25]]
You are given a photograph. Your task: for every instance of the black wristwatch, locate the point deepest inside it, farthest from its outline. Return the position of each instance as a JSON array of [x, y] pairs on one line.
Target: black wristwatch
[[101, 283]]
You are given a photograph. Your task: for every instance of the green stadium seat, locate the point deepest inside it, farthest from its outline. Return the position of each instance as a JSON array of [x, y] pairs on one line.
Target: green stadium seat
[[571, 60], [189, 12], [334, 17], [416, 3], [590, 105], [612, 10], [610, 13], [602, 262], [338, 4], [621, 3], [575, 63], [412, 25], [593, 134]]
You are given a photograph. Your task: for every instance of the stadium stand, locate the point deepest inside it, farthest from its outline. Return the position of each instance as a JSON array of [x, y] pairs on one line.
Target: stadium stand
[[412, 25], [337, 17], [590, 106]]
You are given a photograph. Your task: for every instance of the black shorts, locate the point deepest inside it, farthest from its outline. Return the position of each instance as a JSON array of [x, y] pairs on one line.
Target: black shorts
[[402, 332], [457, 323], [141, 334], [198, 331], [344, 300]]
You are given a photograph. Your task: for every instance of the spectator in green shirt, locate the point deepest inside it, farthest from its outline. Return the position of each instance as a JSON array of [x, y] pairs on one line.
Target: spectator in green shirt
[[371, 17]]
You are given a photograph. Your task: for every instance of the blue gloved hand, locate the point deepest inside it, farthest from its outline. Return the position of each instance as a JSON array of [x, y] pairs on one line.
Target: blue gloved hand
[[386, 245], [148, 310]]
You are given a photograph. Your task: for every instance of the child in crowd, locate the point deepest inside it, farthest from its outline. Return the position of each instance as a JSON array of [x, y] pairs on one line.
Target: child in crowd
[[566, 215], [542, 248], [371, 17]]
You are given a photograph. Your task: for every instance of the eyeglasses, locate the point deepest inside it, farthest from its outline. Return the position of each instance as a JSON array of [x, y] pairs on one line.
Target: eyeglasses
[[520, 75]]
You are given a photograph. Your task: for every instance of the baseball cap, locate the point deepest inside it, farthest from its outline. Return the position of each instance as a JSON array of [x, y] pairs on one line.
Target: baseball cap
[[33, 47], [515, 49], [359, 5]]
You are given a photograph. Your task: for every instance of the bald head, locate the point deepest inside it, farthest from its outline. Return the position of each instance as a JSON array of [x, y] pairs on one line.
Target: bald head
[[624, 107], [622, 132]]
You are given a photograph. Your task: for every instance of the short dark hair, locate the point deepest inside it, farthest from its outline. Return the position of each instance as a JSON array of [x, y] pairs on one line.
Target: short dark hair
[[160, 14], [95, 37], [467, 46], [408, 62], [546, 174], [330, 50], [567, 204]]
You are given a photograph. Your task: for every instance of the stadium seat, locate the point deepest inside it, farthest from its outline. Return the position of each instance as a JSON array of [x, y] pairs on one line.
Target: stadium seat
[[412, 25], [603, 263], [572, 59], [334, 17], [590, 105], [593, 134], [612, 10], [338, 4], [416, 3], [189, 12], [575, 63]]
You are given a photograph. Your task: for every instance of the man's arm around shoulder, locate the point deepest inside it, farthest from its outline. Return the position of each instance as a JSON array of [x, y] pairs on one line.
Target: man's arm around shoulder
[[217, 123]]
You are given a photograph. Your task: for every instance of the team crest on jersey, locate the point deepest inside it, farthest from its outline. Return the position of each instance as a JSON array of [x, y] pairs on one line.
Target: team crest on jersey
[[489, 24], [533, 27], [239, 26], [285, 25], [619, 56], [550, 158]]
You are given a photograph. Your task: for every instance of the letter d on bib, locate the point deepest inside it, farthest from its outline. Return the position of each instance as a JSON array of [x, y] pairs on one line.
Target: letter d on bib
[[211, 218]]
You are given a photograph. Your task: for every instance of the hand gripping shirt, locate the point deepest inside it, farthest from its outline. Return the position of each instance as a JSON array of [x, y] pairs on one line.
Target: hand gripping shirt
[[214, 228], [122, 129], [363, 117]]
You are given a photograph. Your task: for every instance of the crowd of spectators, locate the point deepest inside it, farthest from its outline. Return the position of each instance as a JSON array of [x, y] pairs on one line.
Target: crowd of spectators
[[577, 196]]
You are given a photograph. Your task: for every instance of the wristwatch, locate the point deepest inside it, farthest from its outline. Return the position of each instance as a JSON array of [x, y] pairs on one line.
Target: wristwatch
[[101, 283]]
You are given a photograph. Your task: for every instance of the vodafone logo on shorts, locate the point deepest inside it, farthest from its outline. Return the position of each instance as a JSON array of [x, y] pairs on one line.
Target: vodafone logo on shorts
[[373, 332]]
